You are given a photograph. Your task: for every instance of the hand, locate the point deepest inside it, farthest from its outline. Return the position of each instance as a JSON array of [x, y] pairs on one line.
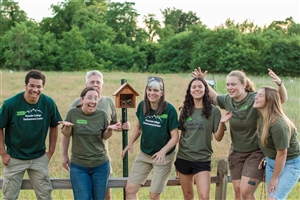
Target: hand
[[126, 126], [114, 127], [226, 117], [273, 185], [159, 158], [198, 73], [5, 159], [129, 147], [66, 162], [274, 77], [66, 123]]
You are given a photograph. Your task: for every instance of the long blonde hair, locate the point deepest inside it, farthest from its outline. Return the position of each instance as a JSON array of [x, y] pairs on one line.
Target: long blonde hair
[[271, 113]]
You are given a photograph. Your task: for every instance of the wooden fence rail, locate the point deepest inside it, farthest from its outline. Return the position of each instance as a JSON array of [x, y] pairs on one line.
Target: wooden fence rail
[[220, 180]]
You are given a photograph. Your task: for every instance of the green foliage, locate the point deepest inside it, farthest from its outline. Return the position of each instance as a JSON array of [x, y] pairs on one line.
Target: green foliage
[[104, 35], [22, 46], [74, 55]]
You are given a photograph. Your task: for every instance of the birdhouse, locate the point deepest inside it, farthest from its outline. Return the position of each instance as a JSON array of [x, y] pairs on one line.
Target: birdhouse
[[125, 96]]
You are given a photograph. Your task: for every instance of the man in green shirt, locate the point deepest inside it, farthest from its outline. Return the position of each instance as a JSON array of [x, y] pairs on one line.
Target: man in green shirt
[[25, 118]]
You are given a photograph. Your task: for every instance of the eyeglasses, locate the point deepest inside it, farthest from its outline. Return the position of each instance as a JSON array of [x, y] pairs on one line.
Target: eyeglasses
[[90, 98], [155, 78]]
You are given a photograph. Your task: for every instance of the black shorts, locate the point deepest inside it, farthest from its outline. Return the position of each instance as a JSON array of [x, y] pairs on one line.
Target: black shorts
[[187, 167]]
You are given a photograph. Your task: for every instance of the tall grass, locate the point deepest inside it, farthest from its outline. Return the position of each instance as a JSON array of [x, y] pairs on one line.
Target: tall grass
[[64, 87]]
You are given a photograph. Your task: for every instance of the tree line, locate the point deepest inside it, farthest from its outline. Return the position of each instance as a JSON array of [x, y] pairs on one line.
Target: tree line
[[104, 35]]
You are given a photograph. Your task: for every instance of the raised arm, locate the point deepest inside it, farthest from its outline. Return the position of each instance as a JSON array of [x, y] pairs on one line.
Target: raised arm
[[212, 93], [281, 88], [220, 132]]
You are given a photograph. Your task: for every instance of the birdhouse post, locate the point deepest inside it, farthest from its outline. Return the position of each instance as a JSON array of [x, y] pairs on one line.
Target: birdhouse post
[[125, 97]]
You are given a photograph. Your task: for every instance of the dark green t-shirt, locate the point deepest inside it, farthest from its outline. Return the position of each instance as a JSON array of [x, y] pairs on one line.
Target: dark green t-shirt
[[156, 129], [278, 138], [26, 125], [88, 146], [195, 140], [243, 123]]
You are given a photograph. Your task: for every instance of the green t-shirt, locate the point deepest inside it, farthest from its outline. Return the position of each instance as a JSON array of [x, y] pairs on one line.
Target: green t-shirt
[[243, 123], [278, 138], [106, 104], [26, 125], [156, 129], [195, 140], [88, 146]]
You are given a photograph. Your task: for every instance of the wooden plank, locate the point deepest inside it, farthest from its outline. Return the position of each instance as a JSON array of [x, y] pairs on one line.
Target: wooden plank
[[65, 184]]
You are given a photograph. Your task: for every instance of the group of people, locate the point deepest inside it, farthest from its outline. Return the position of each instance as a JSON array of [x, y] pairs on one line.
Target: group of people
[[259, 130]]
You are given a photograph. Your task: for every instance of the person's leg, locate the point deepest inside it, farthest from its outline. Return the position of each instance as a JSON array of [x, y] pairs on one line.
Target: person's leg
[[187, 185], [81, 182], [185, 174], [140, 170], [99, 177], [108, 195], [236, 163], [251, 174], [287, 179], [160, 176], [12, 180], [203, 184], [39, 176]]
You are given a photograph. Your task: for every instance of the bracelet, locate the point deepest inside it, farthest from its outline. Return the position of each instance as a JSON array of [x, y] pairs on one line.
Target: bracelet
[[279, 84]]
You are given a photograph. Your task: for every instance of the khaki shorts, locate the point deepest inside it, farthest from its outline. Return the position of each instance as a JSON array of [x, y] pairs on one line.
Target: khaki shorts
[[143, 165], [38, 173], [245, 164]]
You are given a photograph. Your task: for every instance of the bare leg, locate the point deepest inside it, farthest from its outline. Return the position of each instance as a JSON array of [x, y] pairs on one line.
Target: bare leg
[[132, 191], [203, 184], [187, 183]]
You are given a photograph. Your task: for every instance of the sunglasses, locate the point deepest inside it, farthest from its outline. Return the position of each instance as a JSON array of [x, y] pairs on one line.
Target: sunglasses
[[155, 78]]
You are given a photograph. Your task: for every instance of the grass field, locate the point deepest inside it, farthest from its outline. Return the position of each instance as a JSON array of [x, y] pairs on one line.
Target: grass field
[[64, 87]]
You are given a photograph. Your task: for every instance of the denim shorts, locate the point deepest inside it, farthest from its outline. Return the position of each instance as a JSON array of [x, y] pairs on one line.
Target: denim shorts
[[287, 179]]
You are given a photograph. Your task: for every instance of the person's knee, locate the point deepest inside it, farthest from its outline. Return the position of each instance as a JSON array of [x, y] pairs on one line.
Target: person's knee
[[154, 196], [188, 195], [131, 189]]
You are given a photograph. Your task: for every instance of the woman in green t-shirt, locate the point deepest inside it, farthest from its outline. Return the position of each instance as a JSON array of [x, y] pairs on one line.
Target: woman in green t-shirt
[[89, 128], [278, 140], [198, 120], [158, 127]]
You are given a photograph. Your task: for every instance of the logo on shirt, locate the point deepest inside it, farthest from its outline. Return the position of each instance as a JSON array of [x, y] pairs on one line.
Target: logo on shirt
[[155, 120], [30, 115]]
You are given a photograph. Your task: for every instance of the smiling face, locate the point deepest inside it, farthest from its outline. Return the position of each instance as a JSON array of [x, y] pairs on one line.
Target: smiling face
[[154, 95], [260, 99], [89, 102], [95, 81], [197, 89], [235, 88], [33, 90]]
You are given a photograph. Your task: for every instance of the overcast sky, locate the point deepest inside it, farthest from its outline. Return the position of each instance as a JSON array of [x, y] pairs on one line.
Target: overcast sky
[[211, 12]]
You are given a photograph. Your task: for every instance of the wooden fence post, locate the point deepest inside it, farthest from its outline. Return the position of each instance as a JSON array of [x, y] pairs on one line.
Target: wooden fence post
[[221, 185]]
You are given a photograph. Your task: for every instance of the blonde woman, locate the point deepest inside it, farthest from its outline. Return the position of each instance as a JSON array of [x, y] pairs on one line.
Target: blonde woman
[[278, 140]]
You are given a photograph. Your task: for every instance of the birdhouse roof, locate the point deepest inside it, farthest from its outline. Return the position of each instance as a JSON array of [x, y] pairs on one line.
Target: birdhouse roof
[[124, 86]]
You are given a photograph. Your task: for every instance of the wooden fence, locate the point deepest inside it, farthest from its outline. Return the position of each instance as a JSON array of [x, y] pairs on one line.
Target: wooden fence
[[221, 180]]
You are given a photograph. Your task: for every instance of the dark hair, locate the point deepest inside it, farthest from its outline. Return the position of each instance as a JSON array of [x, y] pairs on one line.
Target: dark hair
[[35, 74], [157, 83], [83, 93], [188, 104]]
